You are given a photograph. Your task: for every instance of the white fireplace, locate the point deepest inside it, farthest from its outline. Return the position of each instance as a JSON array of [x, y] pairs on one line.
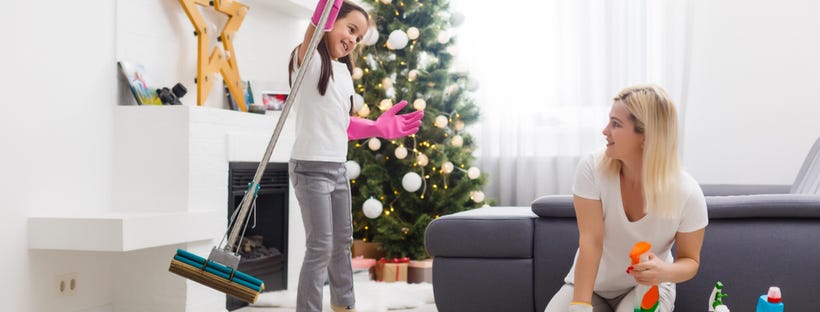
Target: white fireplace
[[171, 191]]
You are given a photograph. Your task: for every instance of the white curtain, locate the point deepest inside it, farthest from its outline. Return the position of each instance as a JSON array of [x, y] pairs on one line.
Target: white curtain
[[547, 73]]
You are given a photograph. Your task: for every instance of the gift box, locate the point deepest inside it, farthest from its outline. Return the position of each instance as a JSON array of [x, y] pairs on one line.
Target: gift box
[[366, 249], [420, 271], [392, 270]]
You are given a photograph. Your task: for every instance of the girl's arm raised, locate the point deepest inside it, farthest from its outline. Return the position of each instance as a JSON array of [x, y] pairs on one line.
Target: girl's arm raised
[[317, 15]]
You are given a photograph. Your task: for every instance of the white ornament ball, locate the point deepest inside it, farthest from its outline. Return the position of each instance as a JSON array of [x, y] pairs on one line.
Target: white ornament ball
[[412, 33], [385, 104], [419, 104], [441, 122], [478, 196], [374, 144], [390, 93], [353, 169], [357, 73], [364, 111], [411, 182], [453, 50], [400, 152], [398, 40], [387, 83], [459, 125], [358, 102], [457, 141], [413, 74], [371, 36], [443, 37], [457, 19], [473, 173], [372, 208], [422, 160], [447, 167], [472, 85]]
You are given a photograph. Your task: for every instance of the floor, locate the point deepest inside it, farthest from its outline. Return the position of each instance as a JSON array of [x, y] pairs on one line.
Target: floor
[[426, 308]]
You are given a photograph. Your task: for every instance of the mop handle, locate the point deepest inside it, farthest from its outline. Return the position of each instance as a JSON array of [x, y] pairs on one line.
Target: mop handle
[[246, 202]]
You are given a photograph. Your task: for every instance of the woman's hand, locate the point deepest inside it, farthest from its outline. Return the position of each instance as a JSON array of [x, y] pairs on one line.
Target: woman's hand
[[650, 272]]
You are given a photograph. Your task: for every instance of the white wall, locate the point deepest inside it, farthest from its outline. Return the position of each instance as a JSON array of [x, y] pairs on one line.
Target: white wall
[[60, 86], [752, 111]]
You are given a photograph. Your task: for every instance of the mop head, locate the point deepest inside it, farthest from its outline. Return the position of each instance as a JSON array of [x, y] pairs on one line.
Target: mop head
[[216, 276]]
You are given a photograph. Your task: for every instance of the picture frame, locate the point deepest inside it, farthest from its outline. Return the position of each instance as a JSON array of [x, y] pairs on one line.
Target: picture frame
[[274, 100]]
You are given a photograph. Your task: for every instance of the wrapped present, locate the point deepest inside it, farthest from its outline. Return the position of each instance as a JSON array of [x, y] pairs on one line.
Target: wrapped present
[[366, 249], [420, 271], [361, 262], [392, 270]]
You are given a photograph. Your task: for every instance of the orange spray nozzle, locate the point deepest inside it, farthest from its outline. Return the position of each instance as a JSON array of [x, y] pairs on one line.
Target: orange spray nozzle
[[639, 249]]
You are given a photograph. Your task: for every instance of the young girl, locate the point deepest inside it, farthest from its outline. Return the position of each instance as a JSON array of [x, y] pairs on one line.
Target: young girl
[[317, 170], [634, 191]]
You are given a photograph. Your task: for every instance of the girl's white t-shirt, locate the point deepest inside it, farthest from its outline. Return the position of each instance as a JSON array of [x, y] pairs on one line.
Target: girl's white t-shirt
[[322, 120], [620, 235]]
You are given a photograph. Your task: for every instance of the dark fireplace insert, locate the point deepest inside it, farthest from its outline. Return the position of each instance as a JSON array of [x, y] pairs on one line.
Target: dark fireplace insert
[[264, 249]]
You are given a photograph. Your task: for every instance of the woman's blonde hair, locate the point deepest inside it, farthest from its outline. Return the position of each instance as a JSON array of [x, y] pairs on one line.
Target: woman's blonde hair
[[654, 115]]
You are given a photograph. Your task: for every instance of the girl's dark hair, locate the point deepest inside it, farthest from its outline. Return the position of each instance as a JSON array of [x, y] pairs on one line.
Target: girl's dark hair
[[324, 53]]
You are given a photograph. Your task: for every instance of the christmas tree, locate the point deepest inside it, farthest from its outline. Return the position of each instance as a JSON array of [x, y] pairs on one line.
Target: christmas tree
[[399, 186]]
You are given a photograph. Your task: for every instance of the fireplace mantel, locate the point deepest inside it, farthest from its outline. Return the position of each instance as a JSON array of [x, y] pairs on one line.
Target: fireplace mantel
[[170, 179]]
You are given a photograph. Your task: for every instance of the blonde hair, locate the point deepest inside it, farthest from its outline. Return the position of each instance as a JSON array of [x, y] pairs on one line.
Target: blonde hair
[[654, 115]]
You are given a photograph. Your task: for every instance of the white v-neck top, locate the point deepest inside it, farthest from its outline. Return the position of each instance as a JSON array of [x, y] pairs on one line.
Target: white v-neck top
[[620, 235]]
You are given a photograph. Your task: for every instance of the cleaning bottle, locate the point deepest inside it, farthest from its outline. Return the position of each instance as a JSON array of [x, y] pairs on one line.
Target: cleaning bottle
[[646, 297], [716, 299], [770, 302]]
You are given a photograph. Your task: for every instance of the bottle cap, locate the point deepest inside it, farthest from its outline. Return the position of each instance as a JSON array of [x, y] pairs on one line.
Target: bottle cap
[[774, 294]]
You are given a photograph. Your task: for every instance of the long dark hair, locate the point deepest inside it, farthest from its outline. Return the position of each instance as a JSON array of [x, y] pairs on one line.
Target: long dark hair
[[324, 53]]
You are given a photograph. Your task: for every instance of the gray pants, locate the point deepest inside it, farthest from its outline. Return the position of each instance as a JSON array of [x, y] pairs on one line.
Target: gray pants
[[323, 192], [622, 303]]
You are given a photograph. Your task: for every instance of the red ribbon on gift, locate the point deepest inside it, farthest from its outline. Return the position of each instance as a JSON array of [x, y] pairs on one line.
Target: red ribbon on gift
[[395, 260]]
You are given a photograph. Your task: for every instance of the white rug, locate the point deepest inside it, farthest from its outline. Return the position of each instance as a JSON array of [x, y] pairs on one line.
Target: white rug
[[371, 296]]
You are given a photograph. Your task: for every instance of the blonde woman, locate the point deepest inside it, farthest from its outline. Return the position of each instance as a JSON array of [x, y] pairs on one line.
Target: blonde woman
[[634, 191]]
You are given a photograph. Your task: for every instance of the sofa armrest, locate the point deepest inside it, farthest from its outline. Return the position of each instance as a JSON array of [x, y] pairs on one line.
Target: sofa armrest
[[554, 206], [743, 189], [490, 232]]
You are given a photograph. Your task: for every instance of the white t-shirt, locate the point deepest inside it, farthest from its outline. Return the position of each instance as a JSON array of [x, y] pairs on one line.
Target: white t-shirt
[[620, 235], [322, 120]]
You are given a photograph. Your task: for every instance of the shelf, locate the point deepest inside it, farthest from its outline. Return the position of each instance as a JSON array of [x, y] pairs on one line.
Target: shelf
[[122, 231]]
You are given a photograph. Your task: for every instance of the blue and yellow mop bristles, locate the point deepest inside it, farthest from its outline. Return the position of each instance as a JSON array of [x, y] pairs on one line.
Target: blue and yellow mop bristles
[[216, 276]]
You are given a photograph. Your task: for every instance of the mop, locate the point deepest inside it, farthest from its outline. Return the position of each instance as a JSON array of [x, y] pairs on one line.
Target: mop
[[219, 270]]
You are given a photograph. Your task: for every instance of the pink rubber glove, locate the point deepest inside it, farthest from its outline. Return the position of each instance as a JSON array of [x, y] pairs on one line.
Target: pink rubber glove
[[331, 19], [388, 125]]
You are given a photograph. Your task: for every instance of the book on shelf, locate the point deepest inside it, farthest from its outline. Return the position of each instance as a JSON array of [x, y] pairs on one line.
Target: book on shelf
[[135, 76], [246, 90]]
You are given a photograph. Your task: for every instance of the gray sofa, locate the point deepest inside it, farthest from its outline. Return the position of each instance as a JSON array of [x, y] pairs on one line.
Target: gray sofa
[[515, 258]]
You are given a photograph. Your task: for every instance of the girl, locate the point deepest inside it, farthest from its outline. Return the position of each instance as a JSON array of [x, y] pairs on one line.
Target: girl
[[634, 191], [317, 171]]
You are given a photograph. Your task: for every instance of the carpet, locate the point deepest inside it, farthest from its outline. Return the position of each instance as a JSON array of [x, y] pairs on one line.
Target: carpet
[[371, 296]]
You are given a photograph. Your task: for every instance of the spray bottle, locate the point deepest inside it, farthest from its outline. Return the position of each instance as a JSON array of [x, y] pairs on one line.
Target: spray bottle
[[770, 302], [716, 299], [646, 297]]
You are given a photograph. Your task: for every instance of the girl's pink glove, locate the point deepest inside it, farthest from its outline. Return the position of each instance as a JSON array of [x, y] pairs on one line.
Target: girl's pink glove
[[388, 125], [331, 19]]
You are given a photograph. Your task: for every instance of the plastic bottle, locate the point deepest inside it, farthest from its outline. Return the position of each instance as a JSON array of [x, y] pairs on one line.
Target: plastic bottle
[[770, 302], [646, 297]]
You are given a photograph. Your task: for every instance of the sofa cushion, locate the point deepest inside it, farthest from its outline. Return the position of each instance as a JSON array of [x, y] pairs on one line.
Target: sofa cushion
[[554, 206], [490, 232], [788, 206]]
